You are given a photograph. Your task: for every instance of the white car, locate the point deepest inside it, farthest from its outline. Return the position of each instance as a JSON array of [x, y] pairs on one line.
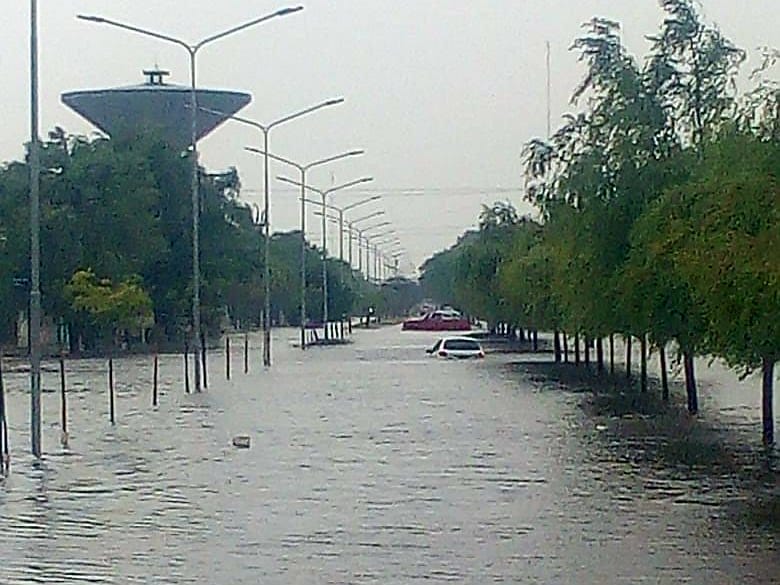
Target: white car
[[456, 347]]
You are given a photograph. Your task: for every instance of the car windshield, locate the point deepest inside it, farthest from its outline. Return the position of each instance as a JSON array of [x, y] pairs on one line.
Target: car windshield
[[461, 344]]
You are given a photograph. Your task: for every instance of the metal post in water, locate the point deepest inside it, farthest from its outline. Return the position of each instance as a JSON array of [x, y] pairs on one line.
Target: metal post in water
[[246, 353], [63, 405], [186, 368], [227, 357], [155, 373], [112, 413], [3, 426], [203, 359]]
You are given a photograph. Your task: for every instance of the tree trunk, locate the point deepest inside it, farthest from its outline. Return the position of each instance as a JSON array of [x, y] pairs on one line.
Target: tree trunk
[[664, 375], [690, 383], [565, 348], [628, 357], [3, 437], [204, 360], [600, 355], [767, 370], [557, 346], [587, 351], [577, 349], [643, 363], [612, 354], [536, 340]]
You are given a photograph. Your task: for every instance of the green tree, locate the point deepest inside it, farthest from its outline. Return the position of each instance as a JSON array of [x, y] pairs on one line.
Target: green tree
[[731, 255], [125, 306]]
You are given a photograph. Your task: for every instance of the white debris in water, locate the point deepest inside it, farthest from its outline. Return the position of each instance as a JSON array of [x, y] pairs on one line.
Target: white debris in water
[[241, 441]]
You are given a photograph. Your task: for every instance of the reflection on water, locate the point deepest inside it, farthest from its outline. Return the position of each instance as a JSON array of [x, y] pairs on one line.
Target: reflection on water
[[369, 464]]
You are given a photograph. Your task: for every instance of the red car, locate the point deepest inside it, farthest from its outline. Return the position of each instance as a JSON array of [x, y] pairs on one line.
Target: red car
[[440, 320]]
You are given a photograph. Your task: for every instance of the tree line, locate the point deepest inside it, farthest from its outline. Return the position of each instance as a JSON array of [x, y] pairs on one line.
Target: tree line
[[117, 248], [659, 210]]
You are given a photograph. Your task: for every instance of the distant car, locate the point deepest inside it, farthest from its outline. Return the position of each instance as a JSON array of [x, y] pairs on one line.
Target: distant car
[[446, 319], [456, 347]]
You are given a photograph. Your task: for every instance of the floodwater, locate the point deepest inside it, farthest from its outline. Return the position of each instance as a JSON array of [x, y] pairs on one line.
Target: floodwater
[[369, 463]]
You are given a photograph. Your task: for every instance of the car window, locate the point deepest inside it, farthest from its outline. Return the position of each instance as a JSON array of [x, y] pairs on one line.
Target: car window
[[461, 344]]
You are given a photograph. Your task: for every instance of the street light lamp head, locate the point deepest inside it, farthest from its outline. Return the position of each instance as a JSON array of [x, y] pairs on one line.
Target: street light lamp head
[[287, 180], [90, 18], [375, 226], [288, 10], [334, 102], [367, 217]]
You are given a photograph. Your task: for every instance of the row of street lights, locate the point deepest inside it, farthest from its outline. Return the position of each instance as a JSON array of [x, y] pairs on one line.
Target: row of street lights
[[381, 260], [192, 50], [303, 169], [265, 129], [324, 194]]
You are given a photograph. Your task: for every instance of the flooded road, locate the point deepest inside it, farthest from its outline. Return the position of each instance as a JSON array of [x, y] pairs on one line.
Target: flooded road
[[370, 463]]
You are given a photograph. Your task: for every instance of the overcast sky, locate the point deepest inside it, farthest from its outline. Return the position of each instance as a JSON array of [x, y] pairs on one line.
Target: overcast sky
[[441, 94]]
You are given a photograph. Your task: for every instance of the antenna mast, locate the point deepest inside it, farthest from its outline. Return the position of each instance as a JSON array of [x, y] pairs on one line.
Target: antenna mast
[[549, 115]]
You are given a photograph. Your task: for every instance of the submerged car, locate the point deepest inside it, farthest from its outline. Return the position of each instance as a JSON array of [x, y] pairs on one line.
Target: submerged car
[[456, 347], [441, 320]]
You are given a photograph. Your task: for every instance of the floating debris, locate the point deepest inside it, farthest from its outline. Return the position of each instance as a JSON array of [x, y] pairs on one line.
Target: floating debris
[[241, 441]]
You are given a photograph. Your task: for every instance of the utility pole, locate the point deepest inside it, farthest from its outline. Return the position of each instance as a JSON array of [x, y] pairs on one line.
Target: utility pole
[[35, 242]]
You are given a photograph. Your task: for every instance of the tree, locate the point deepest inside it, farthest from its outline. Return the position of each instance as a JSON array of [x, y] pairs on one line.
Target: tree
[[438, 271], [732, 256], [692, 67], [478, 266], [125, 306]]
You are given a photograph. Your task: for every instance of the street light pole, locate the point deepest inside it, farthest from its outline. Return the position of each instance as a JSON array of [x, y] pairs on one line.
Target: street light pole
[[266, 130], [344, 210], [376, 251], [35, 242], [360, 236], [368, 245], [303, 169], [324, 194], [192, 51], [349, 230]]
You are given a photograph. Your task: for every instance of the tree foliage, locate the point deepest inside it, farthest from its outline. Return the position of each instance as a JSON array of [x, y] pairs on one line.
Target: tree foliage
[[120, 212]]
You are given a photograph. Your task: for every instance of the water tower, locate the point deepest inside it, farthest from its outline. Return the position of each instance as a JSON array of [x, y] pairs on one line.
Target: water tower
[[154, 105]]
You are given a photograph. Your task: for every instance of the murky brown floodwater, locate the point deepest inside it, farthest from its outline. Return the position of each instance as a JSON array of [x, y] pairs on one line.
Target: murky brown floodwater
[[369, 464]]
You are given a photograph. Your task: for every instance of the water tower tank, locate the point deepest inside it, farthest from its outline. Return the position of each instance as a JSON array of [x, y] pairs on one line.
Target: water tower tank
[[154, 105]]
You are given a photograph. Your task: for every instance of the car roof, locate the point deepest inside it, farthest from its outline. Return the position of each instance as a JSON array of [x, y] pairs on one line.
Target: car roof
[[458, 338]]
